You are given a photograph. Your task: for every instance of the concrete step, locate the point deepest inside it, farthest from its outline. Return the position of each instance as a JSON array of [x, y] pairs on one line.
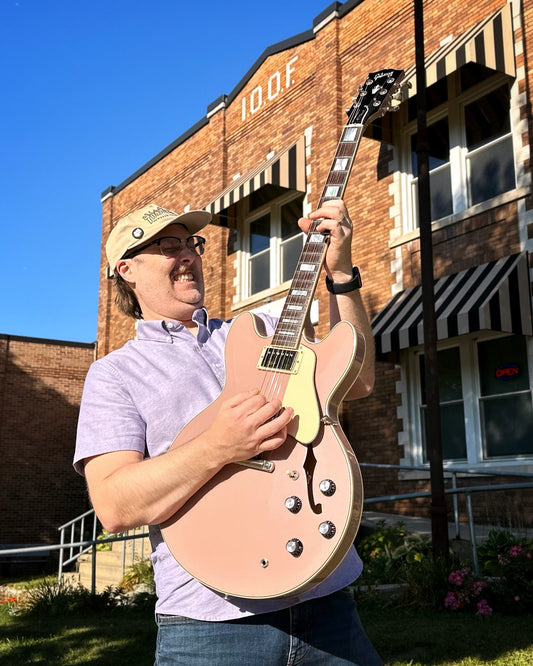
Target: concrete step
[[111, 564]]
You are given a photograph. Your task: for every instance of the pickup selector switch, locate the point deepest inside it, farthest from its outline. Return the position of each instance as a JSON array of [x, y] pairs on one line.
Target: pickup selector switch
[[295, 547], [294, 504], [327, 487]]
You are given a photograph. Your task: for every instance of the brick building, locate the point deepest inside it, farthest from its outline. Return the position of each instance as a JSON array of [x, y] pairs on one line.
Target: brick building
[[40, 391], [260, 157]]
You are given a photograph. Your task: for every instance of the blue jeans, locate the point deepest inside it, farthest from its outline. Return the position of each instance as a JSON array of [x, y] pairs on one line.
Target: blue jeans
[[321, 632]]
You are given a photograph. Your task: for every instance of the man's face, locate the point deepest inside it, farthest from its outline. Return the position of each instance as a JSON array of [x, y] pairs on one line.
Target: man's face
[[166, 287]]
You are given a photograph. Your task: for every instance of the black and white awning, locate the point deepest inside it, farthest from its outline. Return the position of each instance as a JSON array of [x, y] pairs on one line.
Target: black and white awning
[[495, 296], [489, 43], [285, 169]]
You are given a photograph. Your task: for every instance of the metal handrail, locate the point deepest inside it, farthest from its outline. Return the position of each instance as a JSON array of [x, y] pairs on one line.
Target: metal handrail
[[85, 545], [455, 491]]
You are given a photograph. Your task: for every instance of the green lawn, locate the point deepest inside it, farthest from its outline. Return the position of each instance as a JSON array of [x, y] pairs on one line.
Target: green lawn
[[404, 638]]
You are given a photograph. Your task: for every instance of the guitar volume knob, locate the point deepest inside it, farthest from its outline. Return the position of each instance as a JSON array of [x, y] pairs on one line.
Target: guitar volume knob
[[327, 529], [327, 487], [295, 547], [293, 504]]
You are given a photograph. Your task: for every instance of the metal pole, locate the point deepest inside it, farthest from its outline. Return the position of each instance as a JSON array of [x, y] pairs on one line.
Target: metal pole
[[472, 530], [438, 511], [456, 507]]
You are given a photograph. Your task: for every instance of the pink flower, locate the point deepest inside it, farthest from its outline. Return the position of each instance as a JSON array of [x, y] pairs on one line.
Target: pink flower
[[457, 577], [451, 601], [483, 608], [515, 551], [517, 598]]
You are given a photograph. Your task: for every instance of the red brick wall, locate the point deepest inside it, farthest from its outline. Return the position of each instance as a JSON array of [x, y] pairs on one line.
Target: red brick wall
[[40, 390], [327, 71]]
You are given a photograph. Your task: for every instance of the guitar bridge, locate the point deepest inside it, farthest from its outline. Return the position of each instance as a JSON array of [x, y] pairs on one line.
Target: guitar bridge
[[280, 359]]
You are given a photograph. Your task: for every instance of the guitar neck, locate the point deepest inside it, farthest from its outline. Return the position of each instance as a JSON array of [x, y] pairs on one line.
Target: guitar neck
[[290, 327], [372, 102]]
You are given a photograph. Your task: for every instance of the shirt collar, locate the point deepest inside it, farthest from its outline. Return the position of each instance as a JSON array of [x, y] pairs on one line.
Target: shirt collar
[[164, 330]]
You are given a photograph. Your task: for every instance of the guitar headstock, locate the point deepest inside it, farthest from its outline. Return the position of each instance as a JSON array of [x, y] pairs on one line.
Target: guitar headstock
[[375, 97]]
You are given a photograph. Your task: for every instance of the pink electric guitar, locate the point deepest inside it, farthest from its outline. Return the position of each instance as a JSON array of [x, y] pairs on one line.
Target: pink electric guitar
[[280, 524]]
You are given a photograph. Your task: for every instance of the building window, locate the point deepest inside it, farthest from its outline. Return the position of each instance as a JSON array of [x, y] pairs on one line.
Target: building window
[[485, 398], [470, 143], [272, 242]]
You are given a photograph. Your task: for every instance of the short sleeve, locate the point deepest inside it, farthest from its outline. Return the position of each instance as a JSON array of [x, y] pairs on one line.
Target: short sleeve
[[108, 419]]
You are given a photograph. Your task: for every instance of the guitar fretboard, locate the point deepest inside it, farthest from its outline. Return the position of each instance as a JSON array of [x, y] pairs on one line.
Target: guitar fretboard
[[290, 327], [372, 102]]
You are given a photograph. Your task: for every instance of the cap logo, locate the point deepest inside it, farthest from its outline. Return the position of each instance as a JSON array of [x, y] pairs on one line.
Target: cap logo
[[137, 232], [153, 215]]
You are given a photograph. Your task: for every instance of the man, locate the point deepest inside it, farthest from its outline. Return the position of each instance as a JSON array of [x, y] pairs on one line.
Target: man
[[138, 398]]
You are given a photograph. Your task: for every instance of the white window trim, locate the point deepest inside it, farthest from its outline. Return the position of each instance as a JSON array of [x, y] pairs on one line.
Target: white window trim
[[276, 286], [454, 110], [411, 436]]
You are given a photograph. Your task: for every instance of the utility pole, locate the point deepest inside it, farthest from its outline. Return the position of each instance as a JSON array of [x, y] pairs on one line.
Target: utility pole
[[438, 511]]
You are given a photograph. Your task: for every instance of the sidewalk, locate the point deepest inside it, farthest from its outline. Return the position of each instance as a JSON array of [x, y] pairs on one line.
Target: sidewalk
[[422, 526]]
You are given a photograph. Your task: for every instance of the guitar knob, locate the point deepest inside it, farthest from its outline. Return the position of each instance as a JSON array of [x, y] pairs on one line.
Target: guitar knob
[[327, 529], [294, 504], [327, 487], [295, 547]]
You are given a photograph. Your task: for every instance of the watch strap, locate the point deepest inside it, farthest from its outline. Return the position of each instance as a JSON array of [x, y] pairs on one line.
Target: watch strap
[[345, 287]]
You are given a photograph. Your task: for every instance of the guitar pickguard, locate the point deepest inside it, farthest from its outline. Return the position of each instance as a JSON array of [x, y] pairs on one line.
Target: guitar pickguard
[[300, 394]]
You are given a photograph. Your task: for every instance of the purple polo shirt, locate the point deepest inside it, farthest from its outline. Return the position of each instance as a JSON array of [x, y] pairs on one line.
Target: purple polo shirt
[[139, 398]]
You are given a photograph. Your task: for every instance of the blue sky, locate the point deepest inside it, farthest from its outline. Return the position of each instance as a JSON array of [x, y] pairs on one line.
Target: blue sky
[[91, 90]]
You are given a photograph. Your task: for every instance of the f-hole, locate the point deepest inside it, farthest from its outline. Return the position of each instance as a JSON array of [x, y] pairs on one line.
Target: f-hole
[[309, 467]]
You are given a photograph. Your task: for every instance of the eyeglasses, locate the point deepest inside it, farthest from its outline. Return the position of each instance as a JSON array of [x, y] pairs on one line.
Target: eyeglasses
[[170, 246]]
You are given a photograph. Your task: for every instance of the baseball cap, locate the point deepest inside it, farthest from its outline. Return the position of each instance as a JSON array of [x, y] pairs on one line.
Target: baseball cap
[[143, 224]]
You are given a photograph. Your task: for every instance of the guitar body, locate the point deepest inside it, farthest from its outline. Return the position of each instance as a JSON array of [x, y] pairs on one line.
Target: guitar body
[[232, 535], [279, 525]]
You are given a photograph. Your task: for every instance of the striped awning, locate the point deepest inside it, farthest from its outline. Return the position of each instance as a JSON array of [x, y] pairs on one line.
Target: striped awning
[[489, 43], [286, 169], [494, 296]]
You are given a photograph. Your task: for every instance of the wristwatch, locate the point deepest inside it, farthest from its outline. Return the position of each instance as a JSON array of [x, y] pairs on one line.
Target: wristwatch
[[345, 287]]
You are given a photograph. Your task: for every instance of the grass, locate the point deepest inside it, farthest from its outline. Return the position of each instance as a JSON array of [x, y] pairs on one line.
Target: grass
[[443, 638], [99, 638], [403, 638]]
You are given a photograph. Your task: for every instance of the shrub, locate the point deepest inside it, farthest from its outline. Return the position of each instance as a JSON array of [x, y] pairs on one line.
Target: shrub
[[468, 592], [53, 598], [139, 573], [389, 551], [509, 563]]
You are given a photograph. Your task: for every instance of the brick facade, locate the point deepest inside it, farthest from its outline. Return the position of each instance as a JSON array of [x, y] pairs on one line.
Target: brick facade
[[302, 89], [40, 391]]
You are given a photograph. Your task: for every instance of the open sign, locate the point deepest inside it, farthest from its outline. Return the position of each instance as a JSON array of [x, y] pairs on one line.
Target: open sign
[[507, 371]]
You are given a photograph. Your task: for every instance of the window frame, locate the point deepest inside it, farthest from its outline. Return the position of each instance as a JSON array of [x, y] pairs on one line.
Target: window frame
[[469, 363], [453, 109], [272, 207]]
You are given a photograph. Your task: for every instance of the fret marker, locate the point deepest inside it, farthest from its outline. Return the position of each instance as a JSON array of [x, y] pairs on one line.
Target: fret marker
[[298, 292], [340, 164], [332, 191], [349, 134], [294, 307], [308, 267], [316, 238]]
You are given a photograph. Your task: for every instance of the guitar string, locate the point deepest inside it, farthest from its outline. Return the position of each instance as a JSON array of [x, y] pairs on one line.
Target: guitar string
[[274, 380]]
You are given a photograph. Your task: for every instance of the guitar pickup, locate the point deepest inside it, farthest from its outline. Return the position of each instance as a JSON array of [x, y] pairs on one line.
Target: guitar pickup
[[280, 359]]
